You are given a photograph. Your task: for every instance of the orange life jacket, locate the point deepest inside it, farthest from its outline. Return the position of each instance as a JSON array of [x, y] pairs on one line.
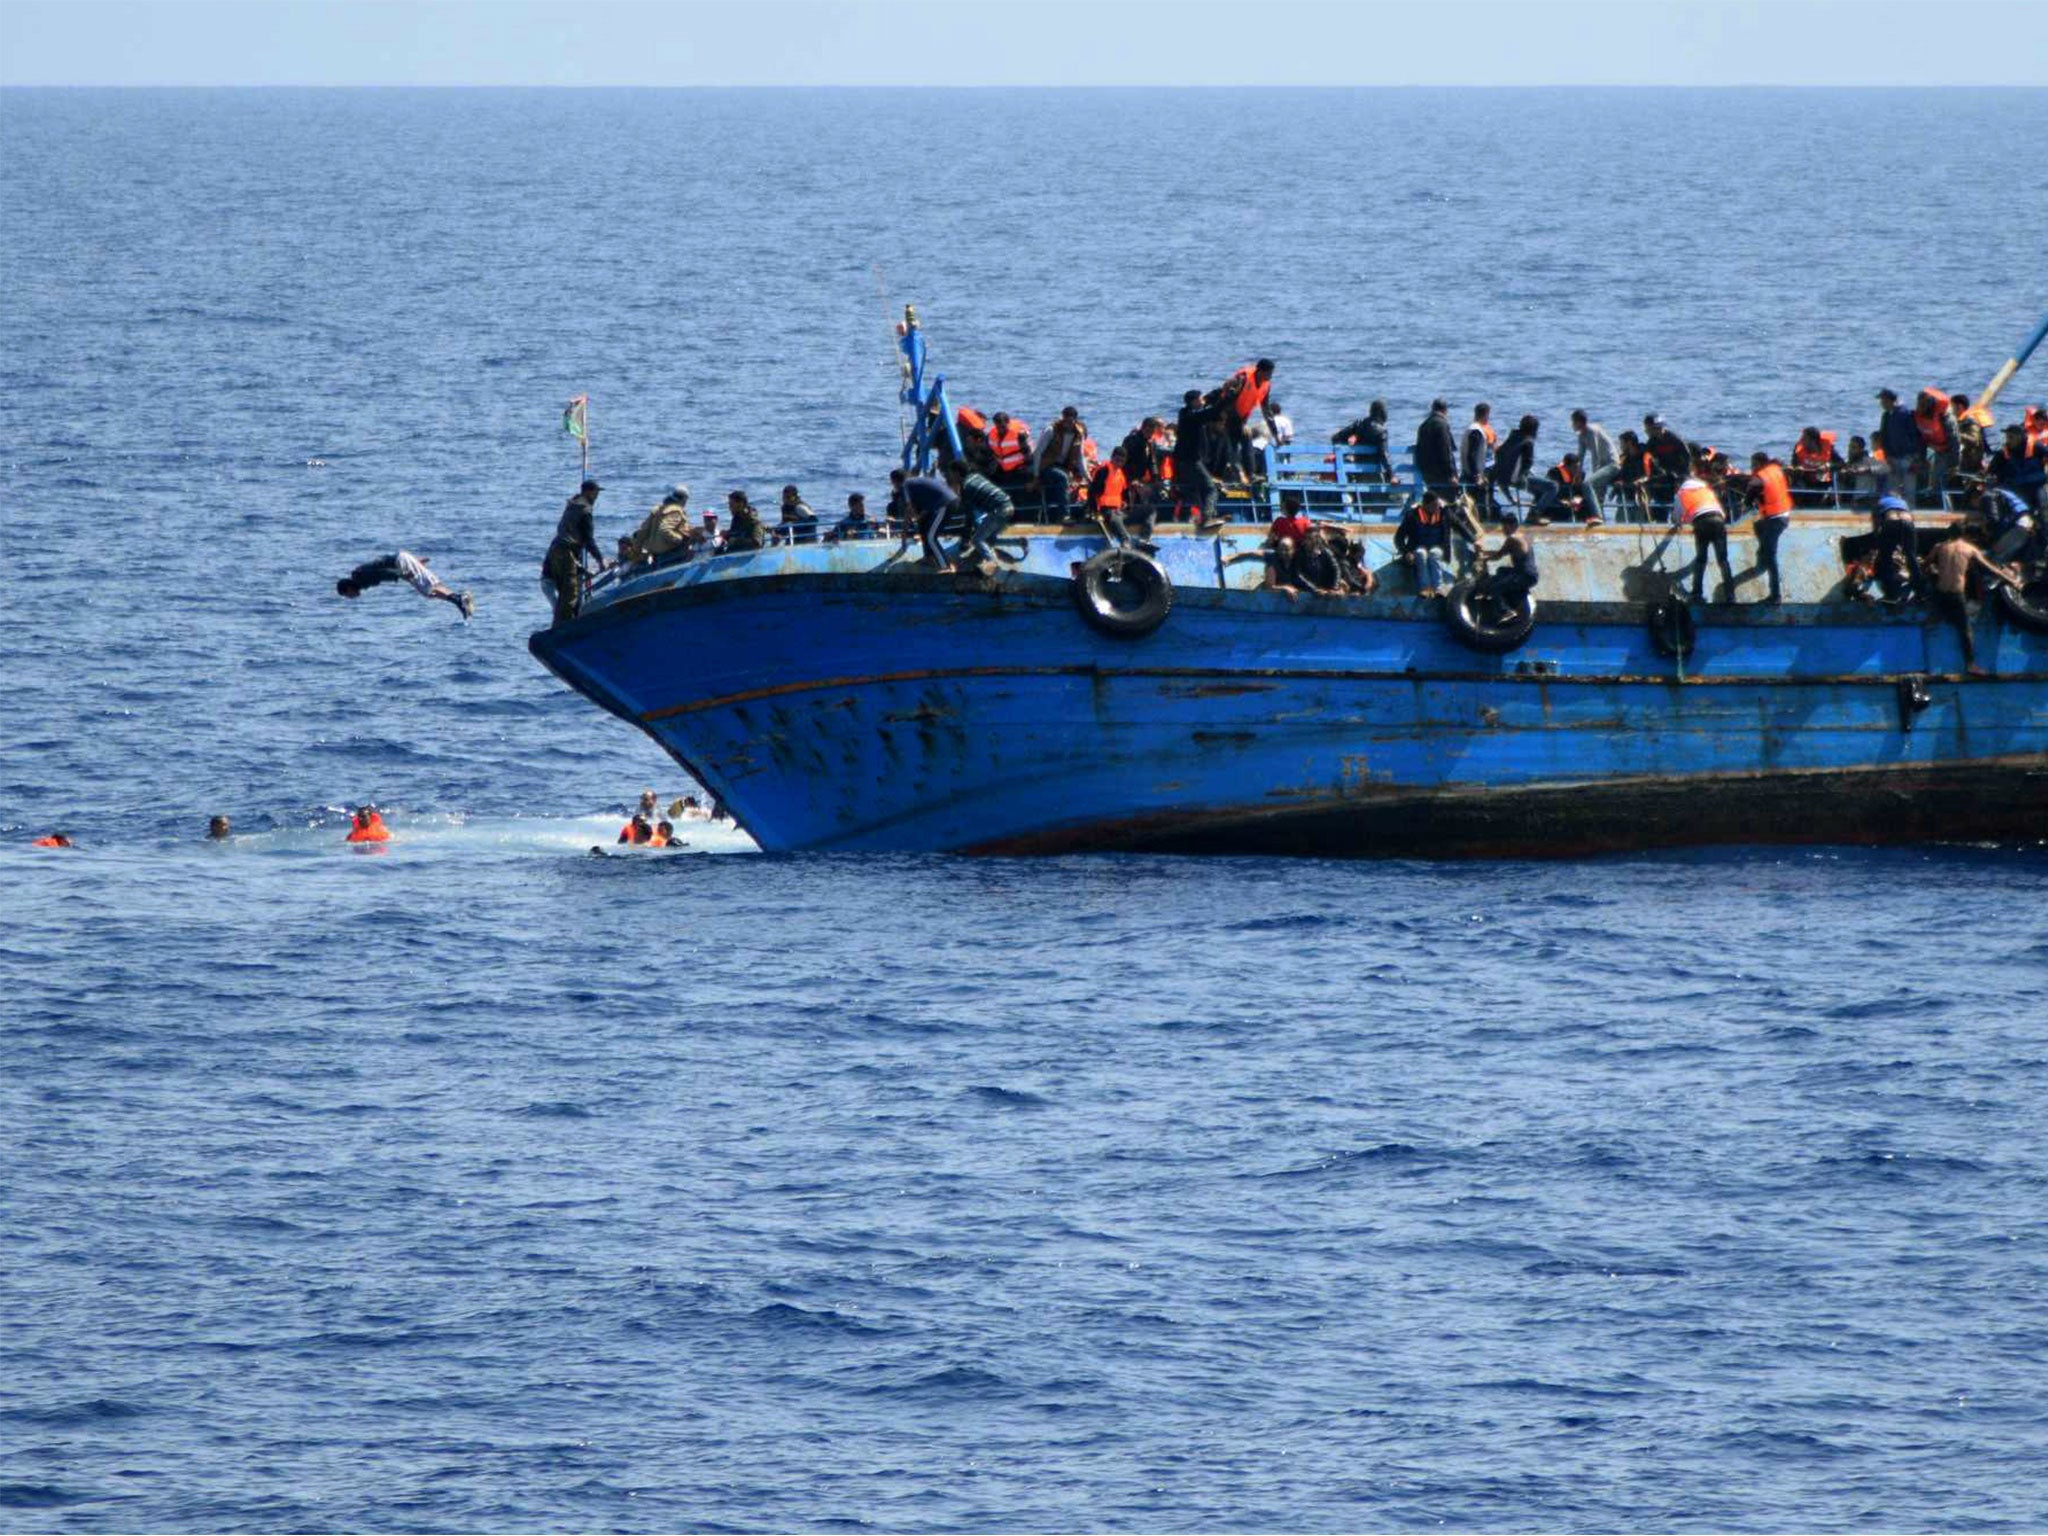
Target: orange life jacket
[[1777, 500], [1819, 462], [1008, 447], [51, 842], [369, 829], [1563, 473], [628, 835], [1114, 480], [1251, 391], [1492, 438], [1933, 422], [1697, 499], [657, 840], [2036, 424], [968, 416]]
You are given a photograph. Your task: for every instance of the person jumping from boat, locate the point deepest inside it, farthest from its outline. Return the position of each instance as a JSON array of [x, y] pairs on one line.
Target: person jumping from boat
[[408, 567]]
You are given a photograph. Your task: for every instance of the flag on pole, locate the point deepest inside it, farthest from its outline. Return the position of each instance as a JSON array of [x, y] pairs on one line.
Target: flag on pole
[[575, 420]]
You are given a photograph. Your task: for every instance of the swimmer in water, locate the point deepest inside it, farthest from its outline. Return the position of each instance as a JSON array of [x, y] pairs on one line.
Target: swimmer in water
[[217, 829], [367, 826], [53, 840], [408, 567]]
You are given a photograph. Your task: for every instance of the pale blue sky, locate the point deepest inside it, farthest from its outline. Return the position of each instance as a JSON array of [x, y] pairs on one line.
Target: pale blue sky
[[1023, 42]]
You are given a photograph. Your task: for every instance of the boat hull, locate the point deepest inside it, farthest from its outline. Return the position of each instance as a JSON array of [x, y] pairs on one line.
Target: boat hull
[[838, 701]]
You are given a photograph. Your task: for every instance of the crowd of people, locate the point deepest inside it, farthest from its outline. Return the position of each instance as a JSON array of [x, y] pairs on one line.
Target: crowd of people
[[1939, 452], [648, 827]]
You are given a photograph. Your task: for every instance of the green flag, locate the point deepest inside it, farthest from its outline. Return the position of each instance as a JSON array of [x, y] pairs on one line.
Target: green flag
[[573, 419]]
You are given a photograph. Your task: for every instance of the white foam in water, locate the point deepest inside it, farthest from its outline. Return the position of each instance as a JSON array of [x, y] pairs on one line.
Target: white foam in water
[[443, 833]]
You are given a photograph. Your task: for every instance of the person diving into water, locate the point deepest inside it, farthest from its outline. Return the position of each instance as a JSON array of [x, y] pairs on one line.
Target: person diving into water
[[408, 567]]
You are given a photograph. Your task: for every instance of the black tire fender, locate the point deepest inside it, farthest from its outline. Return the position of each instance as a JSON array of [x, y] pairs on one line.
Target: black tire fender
[[2026, 607], [1122, 593], [1494, 640], [1672, 630]]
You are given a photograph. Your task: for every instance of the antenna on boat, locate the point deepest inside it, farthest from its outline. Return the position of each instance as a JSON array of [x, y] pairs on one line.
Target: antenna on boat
[[902, 363]]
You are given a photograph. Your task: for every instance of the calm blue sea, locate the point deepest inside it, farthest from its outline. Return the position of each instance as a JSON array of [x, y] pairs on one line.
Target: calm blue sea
[[475, 1183]]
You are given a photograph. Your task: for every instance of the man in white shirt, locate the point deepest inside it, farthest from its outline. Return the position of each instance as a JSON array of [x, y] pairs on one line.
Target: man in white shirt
[[408, 567]]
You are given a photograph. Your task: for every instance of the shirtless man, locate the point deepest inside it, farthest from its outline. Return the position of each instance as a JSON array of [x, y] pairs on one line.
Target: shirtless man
[[1950, 562], [408, 567]]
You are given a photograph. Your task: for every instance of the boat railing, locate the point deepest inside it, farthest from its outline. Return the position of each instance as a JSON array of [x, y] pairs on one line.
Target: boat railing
[[1338, 483]]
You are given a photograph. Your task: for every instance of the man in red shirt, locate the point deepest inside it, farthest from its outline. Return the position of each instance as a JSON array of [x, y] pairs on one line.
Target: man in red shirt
[[1283, 540]]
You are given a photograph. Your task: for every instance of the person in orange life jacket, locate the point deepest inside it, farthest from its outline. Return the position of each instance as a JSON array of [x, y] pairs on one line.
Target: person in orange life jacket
[[1773, 514], [2019, 467], [1670, 457], [1814, 465], [1062, 464], [1899, 437], [367, 826], [1108, 492], [1244, 394], [637, 831], [1009, 445], [1561, 493], [664, 834], [1423, 541], [53, 840], [1518, 577], [1475, 456], [2036, 423], [1941, 439], [1695, 506], [1193, 485]]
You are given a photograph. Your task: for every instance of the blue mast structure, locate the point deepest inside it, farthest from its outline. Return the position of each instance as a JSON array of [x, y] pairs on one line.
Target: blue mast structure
[[2012, 366], [930, 411]]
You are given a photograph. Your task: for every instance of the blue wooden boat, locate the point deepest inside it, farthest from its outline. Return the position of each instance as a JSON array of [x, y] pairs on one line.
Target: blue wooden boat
[[841, 696]]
